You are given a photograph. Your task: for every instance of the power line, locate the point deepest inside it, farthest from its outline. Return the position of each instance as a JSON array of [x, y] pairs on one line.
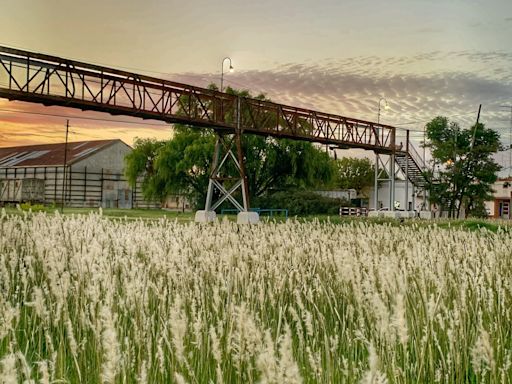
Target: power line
[[80, 118], [426, 121]]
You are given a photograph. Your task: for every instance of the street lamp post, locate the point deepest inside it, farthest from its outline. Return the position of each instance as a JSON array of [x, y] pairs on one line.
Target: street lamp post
[[222, 72], [376, 182], [386, 106]]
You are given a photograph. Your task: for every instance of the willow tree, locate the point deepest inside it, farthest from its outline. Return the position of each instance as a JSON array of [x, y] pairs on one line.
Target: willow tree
[[181, 165]]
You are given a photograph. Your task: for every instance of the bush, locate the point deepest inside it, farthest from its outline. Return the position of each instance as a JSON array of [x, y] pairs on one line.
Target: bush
[[34, 208], [301, 203]]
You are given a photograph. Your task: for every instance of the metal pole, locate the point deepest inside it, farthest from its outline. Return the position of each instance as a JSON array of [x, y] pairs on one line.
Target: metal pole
[[407, 171], [424, 204], [65, 165], [392, 169], [476, 126], [209, 193], [238, 138], [222, 72], [413, 198], [376, 183], [392, 181]]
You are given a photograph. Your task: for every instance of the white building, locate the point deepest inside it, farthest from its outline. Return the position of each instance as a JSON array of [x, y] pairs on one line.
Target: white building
[[414, 201], [499, 208]]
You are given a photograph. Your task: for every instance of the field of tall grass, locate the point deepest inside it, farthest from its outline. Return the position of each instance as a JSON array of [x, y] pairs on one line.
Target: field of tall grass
[[84, 299]]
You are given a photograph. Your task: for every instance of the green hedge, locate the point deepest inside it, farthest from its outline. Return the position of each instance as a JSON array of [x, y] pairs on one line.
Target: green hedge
[[301, 203]]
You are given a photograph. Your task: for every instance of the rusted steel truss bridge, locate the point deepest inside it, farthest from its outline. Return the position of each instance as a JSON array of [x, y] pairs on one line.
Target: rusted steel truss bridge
[[50, 80]]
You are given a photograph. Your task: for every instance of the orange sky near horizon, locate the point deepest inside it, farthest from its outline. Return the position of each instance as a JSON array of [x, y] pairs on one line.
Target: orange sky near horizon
[[26, 124]]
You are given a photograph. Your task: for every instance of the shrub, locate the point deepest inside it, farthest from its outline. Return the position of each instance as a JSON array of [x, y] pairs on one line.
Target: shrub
[[301, 203], [27, 206]]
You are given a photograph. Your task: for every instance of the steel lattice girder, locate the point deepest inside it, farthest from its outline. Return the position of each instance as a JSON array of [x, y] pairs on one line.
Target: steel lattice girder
[[50, 80]]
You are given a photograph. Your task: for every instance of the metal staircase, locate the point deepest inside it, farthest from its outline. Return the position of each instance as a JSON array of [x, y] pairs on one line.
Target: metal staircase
[[412, 166]]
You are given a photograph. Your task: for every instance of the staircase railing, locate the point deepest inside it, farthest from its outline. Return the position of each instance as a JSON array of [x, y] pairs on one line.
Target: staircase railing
[[416, 157]]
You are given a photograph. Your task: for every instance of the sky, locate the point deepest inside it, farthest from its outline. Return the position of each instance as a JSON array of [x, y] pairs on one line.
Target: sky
[[425, 57]]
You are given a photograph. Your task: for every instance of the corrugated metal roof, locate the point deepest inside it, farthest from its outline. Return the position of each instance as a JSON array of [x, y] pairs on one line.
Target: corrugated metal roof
[[50, 154]]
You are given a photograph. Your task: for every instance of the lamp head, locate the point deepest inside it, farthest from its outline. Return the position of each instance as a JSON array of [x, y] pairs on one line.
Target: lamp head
[[231, 69]]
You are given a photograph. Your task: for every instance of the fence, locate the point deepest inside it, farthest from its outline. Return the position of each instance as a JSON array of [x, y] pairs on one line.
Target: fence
[[83, 188], [353, 211]]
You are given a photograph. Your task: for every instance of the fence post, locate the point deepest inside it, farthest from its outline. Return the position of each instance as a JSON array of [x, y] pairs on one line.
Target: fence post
[[55, 186], [70, 184], [44, 178], [85, 185], [101, 188]]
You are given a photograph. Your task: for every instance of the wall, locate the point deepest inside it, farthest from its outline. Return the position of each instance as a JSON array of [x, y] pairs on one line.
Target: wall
[[500, 206], [110, 158], [109, 162], [384, 196]]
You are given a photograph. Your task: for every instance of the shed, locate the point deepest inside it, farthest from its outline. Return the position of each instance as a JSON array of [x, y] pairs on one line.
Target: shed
[[83, 174]]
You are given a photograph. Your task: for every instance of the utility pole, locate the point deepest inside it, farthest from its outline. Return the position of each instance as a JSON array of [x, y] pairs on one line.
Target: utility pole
[[65, 165], [476, 127], [510, 140]]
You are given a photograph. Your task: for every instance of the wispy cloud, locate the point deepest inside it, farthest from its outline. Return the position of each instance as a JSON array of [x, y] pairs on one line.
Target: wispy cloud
[[417, 88]]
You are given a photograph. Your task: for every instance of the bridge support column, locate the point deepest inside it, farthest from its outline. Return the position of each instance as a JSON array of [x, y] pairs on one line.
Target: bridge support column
[[228, 180], [407, 172], [376, 184], [384, 172], [392, 182]]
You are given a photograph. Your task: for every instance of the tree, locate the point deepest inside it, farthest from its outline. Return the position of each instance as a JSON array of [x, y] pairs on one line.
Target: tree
[[182, 165], [467, 169], [355, 173], [140, 162]]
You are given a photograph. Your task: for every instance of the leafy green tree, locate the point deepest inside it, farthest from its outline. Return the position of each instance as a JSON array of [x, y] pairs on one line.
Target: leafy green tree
[[467, 169], [355, 173], [140, 162], [182, 165]]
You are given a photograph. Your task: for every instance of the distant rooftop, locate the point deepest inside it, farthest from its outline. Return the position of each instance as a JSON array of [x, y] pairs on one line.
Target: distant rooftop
[[50, 155]]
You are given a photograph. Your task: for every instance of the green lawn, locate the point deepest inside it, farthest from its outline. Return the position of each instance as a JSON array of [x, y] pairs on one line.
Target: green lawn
[[117, 213]]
